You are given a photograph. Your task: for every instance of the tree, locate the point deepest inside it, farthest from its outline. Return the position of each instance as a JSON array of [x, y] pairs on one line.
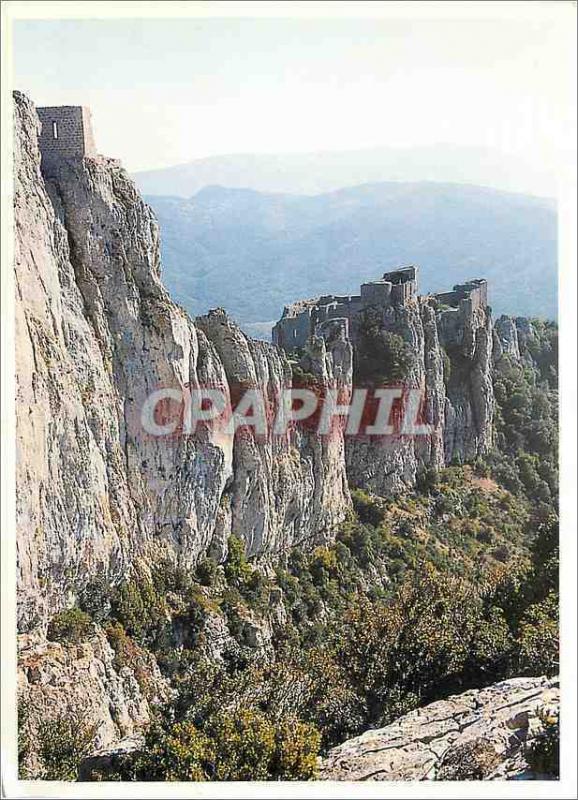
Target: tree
[[237, 569], [62, 743], [71, 625], [381, 356], [232, 745]]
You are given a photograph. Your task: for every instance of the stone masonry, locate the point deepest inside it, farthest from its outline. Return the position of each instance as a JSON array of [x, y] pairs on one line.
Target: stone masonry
[[66, 133], [394, 289]]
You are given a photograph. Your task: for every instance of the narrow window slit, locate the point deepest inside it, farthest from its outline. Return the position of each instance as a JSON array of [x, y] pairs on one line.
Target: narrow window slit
[[55, 130]]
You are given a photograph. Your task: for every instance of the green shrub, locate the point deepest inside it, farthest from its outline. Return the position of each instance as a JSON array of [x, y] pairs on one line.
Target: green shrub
[[368, 509], [192, 619], [381, 356], [237, 568], [142, 611], [71, 625], [543, 754], [323, 565], [182, 754], [207, 571], [296, 749], [168, 577], [62, 743], [241, 745]]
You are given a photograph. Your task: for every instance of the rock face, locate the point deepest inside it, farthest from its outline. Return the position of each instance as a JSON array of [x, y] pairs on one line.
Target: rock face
[[96, 334], [390, 463], [506, 338], [466, 335], [478, 734], [285, 489], [515, 337], [450, 337], [85, 682], [98, 496]]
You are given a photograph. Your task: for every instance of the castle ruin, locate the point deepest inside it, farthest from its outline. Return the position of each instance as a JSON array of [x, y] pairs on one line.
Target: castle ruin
[[65, 135], [396, 288]]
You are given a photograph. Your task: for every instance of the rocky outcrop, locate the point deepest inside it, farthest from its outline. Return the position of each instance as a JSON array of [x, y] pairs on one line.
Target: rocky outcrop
[[86, 683], [452, 360], [390, 463], [506, 338], [466, 335], [285, 489], [517, 339], [481, 734]]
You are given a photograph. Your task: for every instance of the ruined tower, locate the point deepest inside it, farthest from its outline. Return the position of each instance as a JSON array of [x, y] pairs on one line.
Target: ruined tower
[[66, 133]]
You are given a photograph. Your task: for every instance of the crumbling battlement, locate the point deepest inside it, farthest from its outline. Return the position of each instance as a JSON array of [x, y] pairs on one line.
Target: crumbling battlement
[[473, 293], [300, 319], [66, 132], [396, 288]]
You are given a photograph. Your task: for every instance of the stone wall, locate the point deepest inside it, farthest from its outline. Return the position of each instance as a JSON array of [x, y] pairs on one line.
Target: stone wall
[[66, 132], [300, 319], [475, 292], [376, 293], [89, 143]]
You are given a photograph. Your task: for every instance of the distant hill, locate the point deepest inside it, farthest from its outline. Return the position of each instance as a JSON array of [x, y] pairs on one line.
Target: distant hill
[[316, 173], [253, 252]]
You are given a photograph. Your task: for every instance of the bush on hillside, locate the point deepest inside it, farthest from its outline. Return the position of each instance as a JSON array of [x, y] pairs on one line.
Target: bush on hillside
[[71, 625]]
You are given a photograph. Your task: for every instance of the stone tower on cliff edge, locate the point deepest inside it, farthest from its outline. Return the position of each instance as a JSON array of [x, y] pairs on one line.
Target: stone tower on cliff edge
[[66, 133]]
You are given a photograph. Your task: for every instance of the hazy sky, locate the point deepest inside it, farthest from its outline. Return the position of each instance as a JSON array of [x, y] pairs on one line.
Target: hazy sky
[[169, 91]]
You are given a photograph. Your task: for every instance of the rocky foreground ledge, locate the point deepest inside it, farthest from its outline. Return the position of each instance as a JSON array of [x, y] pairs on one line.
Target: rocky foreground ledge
[[482, 733]]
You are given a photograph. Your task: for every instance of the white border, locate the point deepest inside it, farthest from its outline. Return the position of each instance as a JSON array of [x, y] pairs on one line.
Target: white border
[[537, 11]]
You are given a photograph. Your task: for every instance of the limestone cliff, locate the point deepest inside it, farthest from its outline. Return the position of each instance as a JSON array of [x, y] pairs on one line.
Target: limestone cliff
[[450, 361], [516, 338], [284, 489], [96, 334], [466, 335], [390, 463]]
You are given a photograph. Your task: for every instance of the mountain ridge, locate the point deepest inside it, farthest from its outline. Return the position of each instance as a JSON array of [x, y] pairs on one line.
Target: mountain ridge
[[254, 252], [317, 172]]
